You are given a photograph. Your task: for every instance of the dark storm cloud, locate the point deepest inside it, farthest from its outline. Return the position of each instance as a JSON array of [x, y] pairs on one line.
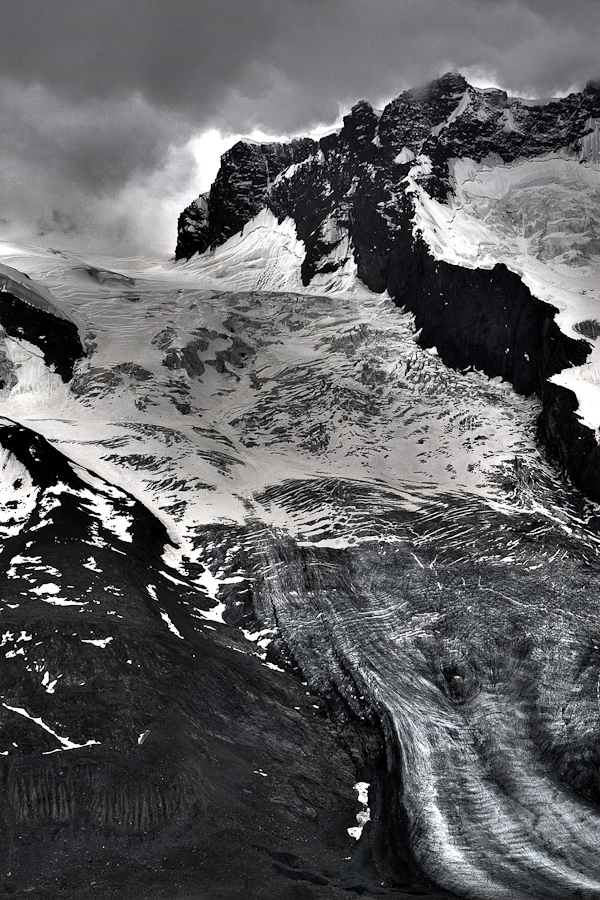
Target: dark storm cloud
[[193, 54], [95, 92], [70, 167], [96, 143]]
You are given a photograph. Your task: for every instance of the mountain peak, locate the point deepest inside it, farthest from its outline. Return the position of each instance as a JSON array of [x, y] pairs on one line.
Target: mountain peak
[[450, 86], [352, 201], [360, 125], [450, 82]]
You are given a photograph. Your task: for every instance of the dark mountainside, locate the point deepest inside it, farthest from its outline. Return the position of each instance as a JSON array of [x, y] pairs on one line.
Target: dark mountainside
[[354, 182], [27, 311]]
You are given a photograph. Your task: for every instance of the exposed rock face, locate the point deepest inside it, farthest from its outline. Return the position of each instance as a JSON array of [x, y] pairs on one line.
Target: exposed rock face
[[27, 311], [58, 339], [574, 444], [350, 199], [239, 193], [449, 118], [210, 774]]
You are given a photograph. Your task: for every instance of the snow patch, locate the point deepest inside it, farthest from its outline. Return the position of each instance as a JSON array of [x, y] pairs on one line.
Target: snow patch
[[214, 615], [48, 683], [170, 625], [406, 155], [171, 578], [48, 588], [151, 588], [364, 816], [272, 666], [66, 743], [62, 601], [117, 523], [97, 642]]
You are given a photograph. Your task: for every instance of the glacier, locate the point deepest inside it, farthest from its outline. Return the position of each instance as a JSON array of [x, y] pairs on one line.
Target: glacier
[[317, 611]]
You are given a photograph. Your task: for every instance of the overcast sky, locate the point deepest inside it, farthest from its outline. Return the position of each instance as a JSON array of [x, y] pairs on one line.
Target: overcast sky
[[114, 111]]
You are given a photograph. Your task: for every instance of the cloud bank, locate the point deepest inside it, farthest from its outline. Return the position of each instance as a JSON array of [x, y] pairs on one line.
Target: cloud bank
[[101, 101]]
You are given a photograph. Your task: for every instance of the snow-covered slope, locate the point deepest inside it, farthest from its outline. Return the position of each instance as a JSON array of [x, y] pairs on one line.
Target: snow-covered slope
[[255, 378], [539, 217], [29, 310], [267, 255]]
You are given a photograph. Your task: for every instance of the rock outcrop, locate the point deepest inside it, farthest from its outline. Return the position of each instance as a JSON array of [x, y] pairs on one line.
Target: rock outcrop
[[240, 191], [28, 311]]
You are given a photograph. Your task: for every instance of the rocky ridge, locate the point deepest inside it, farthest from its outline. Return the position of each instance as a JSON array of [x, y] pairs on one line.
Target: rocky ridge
[[349, 196]]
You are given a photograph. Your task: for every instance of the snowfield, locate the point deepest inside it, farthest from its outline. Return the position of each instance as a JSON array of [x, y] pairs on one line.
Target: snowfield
[[541, 218], [195, 400]]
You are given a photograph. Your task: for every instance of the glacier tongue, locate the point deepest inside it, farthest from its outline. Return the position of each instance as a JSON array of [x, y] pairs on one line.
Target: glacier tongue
[[404, 542]]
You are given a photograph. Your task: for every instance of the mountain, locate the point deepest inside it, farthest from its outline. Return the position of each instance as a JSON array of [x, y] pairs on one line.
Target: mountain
[[475, 211], [297, 600]]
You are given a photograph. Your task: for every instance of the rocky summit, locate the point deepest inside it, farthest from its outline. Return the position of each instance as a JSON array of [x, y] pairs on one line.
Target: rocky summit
[[300, 534]]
